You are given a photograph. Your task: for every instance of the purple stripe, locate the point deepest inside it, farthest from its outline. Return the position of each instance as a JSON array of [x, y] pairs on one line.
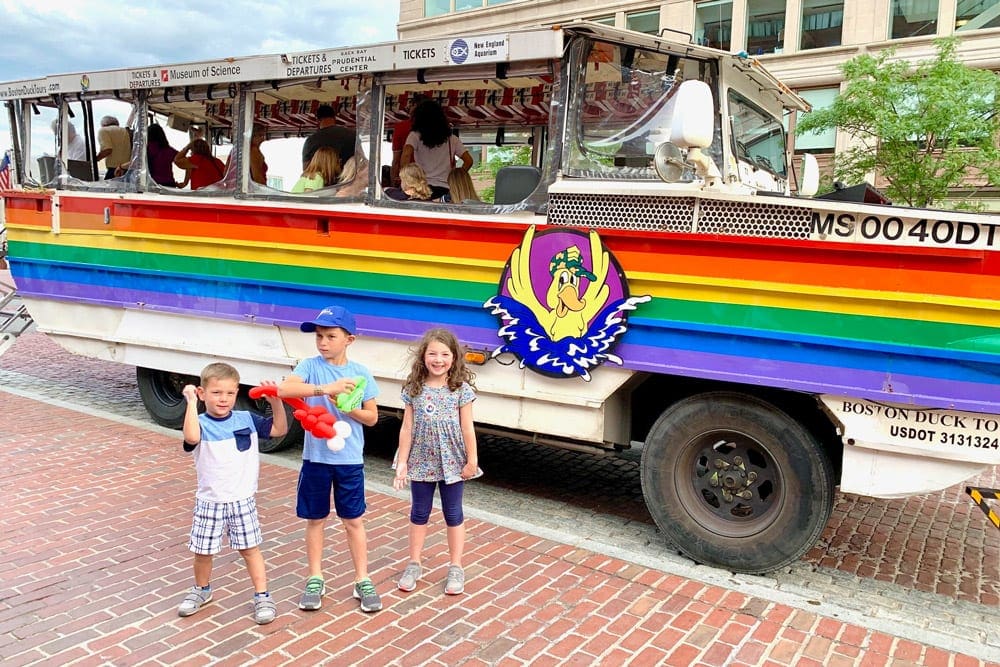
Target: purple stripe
[[812, 378]]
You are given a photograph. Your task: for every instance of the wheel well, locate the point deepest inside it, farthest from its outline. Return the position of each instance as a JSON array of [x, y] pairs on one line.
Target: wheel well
[[656, 393]]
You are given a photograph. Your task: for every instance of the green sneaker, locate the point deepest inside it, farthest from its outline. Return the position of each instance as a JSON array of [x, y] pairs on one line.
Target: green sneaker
[[364, 590], [312, 596]]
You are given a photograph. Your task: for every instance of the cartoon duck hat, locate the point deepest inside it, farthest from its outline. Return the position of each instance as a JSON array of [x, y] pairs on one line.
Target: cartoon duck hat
[[569, 259]]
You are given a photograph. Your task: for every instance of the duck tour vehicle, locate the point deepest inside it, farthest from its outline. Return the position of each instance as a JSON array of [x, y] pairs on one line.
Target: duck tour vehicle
[[645, 276]]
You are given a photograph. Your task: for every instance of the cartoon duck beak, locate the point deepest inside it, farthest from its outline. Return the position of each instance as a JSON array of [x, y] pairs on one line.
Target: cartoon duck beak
[[568, 300]]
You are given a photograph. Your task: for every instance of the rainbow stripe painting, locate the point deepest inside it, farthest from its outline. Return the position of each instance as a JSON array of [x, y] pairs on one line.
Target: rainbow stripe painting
[[910, 325]]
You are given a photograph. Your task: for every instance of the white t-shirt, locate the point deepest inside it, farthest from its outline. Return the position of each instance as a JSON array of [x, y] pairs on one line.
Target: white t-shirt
[[436, 162]]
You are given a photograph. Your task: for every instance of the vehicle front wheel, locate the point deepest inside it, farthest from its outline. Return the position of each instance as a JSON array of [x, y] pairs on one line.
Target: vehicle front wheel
[[161, 393], [735, 482]]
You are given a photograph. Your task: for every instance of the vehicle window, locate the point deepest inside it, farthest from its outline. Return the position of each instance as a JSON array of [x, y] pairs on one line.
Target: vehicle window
[[759, 138], [623, 107]]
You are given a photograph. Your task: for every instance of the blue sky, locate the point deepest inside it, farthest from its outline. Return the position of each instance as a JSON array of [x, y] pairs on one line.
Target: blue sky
[[57, 37], [60, 37]]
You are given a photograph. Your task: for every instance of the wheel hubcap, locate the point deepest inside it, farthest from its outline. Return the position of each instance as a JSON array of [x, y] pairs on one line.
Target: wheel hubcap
[[733, 484]]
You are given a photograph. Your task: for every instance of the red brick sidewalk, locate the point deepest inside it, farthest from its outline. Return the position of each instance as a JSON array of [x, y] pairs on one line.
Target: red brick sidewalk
[[93, 563]]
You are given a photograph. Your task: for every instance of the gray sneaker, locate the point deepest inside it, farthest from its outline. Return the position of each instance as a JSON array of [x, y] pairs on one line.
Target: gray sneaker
[[455, 583], [194, 600], [264, 609], [408, 581], [364, 590], [312, 596]]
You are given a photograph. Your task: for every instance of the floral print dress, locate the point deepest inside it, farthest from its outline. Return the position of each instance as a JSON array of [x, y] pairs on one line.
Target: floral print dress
[[437, 451]]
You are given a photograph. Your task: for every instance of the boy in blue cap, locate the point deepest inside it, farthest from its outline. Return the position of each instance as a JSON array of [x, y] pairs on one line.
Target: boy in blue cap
[[319, 380]]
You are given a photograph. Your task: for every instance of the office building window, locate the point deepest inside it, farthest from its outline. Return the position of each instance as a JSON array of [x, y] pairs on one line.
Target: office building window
[[821, 142], [713, 23], [436, 7], [977, 15], [822, 23], [439, 7], [606, 20], [648, 22], [765, 26], [913, 17]]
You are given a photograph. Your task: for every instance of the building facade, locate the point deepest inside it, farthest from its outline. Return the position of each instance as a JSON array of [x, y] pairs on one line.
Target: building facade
[[802, 41]]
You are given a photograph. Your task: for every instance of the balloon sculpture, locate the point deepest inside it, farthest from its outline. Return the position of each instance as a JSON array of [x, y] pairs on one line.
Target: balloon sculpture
[[315, 419]]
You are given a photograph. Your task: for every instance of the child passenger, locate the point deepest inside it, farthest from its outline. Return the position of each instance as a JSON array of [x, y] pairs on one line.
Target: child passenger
[[413, 184], [437, 448], [319, 380], [460, 187], [323, 170], [223, 442]]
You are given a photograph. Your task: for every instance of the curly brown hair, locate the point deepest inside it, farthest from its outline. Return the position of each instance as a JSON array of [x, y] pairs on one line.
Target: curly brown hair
[[457, 374]]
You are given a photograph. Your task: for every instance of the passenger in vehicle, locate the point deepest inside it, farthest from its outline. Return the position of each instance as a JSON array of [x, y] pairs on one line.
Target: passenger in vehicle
[[258, 165], [413, 183], [116, 147], [76, 149], [323, 170], [399, 134], [160, 156], [431, 145], [353, 179], [330, 134], [203, 168], [461, 189]]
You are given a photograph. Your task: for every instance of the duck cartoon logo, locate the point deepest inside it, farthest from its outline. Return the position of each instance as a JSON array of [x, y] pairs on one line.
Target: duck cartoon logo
[[562, 309]]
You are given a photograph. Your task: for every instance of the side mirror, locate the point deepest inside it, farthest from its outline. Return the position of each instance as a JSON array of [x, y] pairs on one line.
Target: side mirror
[[810, 176], [693, 123], [668, 162]]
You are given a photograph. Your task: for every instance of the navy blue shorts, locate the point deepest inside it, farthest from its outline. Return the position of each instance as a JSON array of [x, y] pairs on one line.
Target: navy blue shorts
[[315, 483]]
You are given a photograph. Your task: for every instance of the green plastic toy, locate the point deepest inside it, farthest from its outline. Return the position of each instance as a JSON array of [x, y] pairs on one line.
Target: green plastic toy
[[353, 399]]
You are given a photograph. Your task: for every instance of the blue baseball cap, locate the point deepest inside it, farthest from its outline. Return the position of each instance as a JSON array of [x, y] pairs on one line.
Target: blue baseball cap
[[331, 316]]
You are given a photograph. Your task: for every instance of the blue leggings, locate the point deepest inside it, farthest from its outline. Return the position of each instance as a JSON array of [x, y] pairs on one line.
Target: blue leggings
[[422, 494]]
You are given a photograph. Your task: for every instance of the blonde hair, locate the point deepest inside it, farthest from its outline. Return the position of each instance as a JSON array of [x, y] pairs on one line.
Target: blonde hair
[[413, 181], [325, 162], [460, 186], [457, 374], [219, 371]]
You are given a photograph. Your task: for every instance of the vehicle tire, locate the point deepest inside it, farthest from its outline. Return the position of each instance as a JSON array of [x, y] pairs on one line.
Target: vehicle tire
[[382, 439], [161, 393], [735, 482], [262, 407]]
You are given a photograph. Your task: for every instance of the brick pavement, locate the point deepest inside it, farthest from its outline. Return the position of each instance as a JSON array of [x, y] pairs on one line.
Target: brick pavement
[[936, 543], [92, 564]]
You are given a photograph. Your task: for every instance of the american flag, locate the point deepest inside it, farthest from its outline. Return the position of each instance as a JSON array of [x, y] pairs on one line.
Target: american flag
[[5, 171]]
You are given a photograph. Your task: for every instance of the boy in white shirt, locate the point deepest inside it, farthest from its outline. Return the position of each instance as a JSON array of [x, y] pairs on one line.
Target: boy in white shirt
[[227, 459]]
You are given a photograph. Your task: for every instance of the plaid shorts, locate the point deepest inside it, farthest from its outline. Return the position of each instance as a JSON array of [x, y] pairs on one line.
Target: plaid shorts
[[238, 518]]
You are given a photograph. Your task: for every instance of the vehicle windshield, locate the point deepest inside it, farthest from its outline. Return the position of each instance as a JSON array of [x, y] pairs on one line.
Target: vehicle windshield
[[623, 106], [759, 138]]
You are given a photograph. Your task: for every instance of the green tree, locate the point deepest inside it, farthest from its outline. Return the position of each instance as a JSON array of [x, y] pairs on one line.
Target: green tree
[[925, 128]]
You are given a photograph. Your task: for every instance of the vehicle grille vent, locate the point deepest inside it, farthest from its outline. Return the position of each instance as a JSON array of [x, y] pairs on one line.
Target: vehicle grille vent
[[676, 214]]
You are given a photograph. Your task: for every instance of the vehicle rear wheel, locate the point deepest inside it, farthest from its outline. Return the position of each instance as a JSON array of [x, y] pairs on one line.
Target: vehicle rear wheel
[[161, 393], [735, 482], [262, 407]]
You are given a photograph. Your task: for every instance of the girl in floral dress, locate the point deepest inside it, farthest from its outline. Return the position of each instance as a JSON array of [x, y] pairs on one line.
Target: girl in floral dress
[[437, 449]]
